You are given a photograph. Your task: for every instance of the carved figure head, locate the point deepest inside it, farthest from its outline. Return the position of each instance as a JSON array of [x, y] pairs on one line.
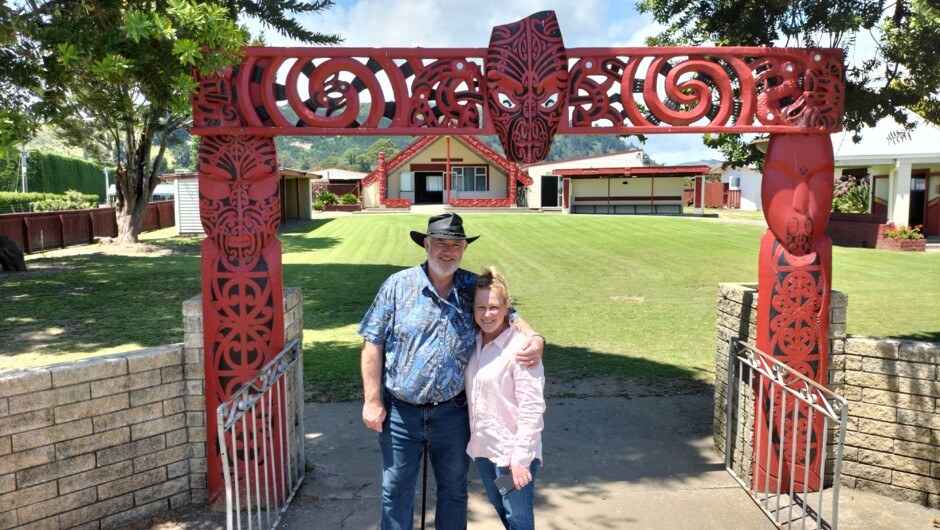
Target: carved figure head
[[527, 85], [797, 189], [238, 194]]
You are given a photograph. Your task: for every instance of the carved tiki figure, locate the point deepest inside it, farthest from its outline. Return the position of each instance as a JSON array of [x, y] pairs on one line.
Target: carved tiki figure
[[795, 268], [243, 318], [527, 85]]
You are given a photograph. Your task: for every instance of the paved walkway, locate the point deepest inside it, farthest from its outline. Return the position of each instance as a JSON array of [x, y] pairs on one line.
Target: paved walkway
[[610, 463]]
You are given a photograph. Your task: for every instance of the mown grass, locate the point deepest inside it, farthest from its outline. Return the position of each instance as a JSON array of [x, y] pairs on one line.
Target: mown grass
[[625, 296]]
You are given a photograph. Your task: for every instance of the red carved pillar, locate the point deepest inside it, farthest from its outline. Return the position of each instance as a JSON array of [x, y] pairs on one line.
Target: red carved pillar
[[242, 288], [383, 178], [794, 282]]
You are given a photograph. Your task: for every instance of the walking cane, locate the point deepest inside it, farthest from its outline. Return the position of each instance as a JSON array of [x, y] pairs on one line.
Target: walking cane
[[424, 486]]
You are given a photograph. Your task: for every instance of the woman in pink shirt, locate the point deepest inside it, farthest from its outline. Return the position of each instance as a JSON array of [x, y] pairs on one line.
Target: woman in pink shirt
[[506, 407]]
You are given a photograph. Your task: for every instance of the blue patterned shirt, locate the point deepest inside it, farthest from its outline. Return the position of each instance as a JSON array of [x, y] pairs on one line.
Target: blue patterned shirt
[[428, 339]]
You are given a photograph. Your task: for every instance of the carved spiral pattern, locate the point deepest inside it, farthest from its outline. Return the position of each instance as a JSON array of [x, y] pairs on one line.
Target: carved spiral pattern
[[796, 302], [333, 92], [240, 212], [620, 90]]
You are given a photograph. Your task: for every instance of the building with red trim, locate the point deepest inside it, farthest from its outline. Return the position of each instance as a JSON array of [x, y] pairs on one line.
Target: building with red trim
[[294, 191], [460, 171], [617, 183]]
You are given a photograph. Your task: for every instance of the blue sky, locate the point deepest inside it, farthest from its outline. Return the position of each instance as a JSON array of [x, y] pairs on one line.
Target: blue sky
[[467, 24]]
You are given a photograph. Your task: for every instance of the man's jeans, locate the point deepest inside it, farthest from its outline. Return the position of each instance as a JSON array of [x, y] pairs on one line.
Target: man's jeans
[[446, 427], [517, 508]]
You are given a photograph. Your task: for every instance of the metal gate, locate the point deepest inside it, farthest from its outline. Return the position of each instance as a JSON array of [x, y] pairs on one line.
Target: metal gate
[[261, 435], [757, 378]]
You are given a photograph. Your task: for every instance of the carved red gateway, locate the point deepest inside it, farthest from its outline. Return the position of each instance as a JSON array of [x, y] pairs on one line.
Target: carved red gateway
[[526, 87]]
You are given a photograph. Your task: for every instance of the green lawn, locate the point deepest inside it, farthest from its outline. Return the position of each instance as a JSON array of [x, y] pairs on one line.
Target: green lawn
[[627, 296]]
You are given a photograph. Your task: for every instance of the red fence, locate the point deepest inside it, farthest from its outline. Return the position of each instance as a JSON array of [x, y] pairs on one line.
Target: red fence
[[717, 195], [42, 230], [339, 188]]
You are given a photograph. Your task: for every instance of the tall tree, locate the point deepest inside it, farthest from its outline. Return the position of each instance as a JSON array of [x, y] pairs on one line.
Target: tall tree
[[117, 76], [903, 74]]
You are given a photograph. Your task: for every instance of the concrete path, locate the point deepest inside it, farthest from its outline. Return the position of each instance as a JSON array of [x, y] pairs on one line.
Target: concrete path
[[610, 463]]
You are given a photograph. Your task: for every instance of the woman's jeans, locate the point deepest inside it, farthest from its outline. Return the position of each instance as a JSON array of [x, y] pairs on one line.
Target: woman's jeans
[[517, 508], [446, 428]]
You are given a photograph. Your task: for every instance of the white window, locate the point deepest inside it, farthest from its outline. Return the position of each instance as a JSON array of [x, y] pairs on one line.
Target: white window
[[407, 181], [434, 183], [468, 178], [734, 182]]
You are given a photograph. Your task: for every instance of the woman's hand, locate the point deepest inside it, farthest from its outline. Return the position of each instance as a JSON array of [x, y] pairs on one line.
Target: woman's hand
[[520, 476], [532, 350]]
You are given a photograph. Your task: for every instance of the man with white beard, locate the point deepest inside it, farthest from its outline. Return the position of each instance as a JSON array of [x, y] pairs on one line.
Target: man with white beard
[[418, 335]]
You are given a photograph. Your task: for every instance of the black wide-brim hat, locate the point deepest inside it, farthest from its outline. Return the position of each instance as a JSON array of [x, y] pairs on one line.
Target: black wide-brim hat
[[444, 226]]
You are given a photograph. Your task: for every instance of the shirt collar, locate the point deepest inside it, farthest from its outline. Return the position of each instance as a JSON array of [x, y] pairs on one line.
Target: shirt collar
[[502, 339], [429, 287]]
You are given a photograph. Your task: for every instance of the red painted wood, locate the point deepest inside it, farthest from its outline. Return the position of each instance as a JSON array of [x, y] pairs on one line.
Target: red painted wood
[[794, 283], [442, 91], [242, 295]]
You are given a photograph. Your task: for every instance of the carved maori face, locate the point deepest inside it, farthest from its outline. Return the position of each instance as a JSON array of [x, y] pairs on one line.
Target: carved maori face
[[238, 194], [527, 85], [797, 189]]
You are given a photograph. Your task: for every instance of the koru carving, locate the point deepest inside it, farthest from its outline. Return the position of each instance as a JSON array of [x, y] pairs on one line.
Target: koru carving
[[242, 288], [794, 285], [528, 89]]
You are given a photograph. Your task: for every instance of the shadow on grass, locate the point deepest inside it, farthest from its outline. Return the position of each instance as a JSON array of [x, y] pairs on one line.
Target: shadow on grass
[[925, 336], [572, 363], [88, 303]]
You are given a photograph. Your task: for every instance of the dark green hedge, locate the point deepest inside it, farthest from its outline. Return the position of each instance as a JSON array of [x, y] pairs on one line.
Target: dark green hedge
[[52, 173], [10, 176], [19, 202]]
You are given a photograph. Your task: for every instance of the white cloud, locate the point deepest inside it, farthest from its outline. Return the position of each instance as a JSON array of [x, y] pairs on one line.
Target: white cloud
[[458, 23], [673, 149]]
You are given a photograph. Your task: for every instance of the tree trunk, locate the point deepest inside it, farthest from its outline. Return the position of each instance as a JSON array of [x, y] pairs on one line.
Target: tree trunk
[[130, 219], [11, 256]]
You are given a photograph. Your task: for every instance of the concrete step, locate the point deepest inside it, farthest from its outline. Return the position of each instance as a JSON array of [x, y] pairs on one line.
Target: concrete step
[[933, 244]]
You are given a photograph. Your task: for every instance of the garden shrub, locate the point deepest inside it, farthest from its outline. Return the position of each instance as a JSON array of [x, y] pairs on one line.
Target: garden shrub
[[850, 195], [328, 197], [19, 202], [349, 198], [71, 200], [318, 205]]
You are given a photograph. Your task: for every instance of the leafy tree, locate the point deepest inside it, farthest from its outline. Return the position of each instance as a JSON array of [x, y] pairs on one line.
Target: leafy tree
[[18, 82], [903, 74], [382, 145], [116, 75]]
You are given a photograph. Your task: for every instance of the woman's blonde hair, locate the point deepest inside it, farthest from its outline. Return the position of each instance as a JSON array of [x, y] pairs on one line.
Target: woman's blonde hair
[[493, 280]]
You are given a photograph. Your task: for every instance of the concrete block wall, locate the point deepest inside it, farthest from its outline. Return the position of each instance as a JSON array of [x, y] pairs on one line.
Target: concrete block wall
[[892, 444], [106, 442], [96, 443], [737, 317]]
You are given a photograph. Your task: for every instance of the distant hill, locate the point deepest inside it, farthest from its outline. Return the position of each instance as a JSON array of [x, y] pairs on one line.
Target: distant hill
[[710, 162], [316, 152], [46, 141]]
